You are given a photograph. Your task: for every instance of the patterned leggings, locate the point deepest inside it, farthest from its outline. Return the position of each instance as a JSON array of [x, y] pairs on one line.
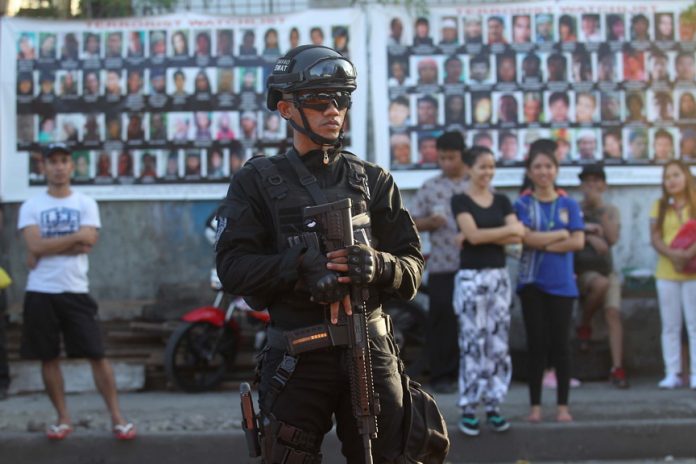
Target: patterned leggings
[[482, 302]]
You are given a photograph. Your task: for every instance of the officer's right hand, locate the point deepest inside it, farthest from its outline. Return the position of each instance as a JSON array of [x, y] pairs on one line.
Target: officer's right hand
[[322, 283]]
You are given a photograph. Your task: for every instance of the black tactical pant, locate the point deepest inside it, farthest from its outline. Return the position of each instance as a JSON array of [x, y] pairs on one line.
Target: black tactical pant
[[320, 388]]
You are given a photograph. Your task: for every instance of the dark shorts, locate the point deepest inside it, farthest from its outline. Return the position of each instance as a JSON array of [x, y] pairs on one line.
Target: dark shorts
[[48, 315]]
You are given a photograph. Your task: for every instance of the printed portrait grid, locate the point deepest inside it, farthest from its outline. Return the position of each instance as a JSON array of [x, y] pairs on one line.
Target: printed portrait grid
[[156, 105], [613, 87]]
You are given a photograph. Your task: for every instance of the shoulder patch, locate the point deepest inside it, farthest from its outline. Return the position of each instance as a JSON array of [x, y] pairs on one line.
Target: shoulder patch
[[221, 225]]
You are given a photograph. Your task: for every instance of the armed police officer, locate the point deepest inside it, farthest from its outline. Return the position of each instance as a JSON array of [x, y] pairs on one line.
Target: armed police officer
[[274, 250]]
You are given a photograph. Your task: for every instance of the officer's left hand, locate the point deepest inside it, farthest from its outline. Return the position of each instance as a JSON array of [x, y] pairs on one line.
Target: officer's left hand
[[363, 264]]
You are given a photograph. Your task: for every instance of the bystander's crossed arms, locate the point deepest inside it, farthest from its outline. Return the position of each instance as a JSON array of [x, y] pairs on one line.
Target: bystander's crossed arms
[[76, 243]]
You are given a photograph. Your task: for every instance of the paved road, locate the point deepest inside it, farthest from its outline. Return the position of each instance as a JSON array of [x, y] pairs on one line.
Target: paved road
[[642, 423]]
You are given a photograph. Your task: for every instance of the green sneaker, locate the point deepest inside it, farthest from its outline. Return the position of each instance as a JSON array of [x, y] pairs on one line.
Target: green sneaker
[[469, 425], [497, 422]]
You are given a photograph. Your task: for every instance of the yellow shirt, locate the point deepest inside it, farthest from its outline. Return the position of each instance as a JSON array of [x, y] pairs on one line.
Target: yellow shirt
[[670, 227]]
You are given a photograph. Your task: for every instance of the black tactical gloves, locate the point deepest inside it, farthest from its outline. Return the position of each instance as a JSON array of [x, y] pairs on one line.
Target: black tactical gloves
[[322, 283], [367, 265]]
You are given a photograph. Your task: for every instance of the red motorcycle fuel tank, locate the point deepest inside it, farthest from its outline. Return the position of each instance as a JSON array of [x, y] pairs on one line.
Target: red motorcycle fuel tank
[[209, 314]]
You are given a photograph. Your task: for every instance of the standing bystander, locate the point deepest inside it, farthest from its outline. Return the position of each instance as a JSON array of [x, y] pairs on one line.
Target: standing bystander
[[598, 284], [60, 227], [676, 289], [546, 282], [432, 213], [482, 293]]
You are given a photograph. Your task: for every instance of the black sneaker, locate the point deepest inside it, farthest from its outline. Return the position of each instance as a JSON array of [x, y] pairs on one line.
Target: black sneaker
[[469, 425], [497, 422]]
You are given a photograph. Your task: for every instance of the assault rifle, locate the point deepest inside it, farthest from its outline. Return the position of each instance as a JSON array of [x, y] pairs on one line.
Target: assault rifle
[[335, 223]]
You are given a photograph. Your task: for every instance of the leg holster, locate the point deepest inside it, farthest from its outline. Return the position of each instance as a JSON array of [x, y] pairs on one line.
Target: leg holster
[[283, 443]]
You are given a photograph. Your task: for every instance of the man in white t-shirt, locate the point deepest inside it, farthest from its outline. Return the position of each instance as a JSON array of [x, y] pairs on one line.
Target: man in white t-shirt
[[60, 227]]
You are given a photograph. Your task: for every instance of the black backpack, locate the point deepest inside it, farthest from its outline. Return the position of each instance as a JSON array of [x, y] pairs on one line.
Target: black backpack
[[425, 431]]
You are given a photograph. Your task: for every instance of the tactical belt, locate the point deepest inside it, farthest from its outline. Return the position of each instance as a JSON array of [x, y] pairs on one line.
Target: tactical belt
[[319, 336]]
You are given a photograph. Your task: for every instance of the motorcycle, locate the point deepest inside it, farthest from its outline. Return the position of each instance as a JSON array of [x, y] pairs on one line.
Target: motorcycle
[[203, 348]]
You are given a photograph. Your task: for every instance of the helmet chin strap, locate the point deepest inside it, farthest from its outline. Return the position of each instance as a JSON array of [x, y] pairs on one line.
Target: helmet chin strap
[[306, 129]]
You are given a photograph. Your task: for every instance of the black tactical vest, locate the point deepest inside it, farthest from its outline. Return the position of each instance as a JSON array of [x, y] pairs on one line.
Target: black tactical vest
[[286, 196]]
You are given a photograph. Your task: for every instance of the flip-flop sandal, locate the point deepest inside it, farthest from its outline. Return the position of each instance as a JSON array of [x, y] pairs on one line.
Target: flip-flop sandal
[[59, 431], [124, 432]]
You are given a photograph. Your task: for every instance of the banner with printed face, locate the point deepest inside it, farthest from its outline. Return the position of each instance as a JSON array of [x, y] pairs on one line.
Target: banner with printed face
[[611, 82], [158, 107]]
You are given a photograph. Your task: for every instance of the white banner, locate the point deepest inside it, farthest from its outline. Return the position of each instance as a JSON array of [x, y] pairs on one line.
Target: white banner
[[611, 82], [158, 107]]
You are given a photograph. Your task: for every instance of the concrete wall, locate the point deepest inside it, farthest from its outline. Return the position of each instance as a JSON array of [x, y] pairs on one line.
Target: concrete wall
[[157, 251], [146, 251]]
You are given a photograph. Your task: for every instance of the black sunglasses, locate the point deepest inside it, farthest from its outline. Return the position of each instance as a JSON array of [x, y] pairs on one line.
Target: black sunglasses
[[321, 101]]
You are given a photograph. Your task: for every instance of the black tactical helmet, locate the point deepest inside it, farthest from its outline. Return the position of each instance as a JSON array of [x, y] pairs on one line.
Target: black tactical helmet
[[309, 67]]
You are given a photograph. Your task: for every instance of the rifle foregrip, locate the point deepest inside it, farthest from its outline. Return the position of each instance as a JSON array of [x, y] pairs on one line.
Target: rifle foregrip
[[365, 401]]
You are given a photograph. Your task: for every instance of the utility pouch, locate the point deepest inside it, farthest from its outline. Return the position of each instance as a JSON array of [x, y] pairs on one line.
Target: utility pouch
[[425, 431]]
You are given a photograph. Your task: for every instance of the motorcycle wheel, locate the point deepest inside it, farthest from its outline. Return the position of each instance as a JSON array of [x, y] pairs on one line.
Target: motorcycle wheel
[[187, 361]]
